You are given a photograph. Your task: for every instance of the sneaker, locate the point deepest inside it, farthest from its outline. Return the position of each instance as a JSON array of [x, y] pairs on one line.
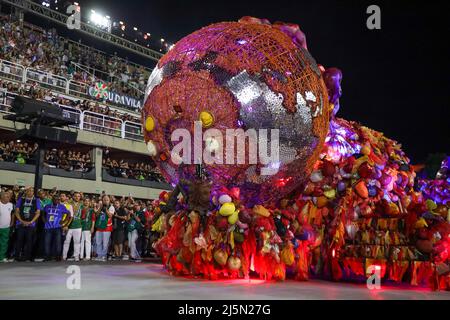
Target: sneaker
[[103, 259], [39, 260], [4, 261], [77, 259], [11, 260], [71, 259], [86, 259], [125, 258]]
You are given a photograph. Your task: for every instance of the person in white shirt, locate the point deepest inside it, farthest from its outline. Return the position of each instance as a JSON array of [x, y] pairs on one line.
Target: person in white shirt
[[6, 209]]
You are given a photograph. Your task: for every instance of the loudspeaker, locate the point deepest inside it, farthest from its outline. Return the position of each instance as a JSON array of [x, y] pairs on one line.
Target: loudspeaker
[[49, 133], [26, 106]]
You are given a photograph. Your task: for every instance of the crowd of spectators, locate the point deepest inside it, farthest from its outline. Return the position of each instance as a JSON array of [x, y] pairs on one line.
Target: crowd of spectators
[[23, 152], [31, 90], [18, 151], [68, 160], [54, 225], [132, 170], [44, 50]]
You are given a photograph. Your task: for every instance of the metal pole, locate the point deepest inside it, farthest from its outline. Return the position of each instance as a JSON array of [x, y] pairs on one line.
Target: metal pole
[[39, 171]]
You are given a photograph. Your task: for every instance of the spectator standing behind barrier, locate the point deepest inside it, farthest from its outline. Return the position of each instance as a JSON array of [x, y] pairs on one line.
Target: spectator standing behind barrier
[[74, 230], [103, 226], [119, 228], [28, 209], [53, 220], [147, 238], [40, 228], [135, 227], [6, 209], [67, 217], [87, 229]]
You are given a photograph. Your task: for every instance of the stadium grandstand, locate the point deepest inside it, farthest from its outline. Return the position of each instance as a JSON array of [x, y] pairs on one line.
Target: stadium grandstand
[[101, 90]]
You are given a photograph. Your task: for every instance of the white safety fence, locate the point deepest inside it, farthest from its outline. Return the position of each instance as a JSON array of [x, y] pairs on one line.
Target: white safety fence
[[86, 120], [31, 76], [132, 131], [100, 123], [12, 71], [45, 79], [79, 89]]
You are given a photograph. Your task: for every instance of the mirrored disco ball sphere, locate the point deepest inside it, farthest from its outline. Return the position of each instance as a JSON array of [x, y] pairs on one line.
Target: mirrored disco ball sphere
[[235, 75]]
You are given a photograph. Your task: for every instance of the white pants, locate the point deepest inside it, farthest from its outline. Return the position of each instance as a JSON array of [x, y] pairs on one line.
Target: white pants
[[86, 243], [76, 234], [132, 238], [102, 243]]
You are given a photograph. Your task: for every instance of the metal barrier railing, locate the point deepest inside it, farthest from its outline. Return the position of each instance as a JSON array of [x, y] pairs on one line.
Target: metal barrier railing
[[73, 114], [21, 74], [4, 105], [12, 71], [100, 123], [86, 120], [132, 131], [79, 89], [45, 79]]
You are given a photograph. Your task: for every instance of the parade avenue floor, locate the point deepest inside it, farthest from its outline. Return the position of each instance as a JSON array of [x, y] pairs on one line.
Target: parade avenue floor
[[148, 280]]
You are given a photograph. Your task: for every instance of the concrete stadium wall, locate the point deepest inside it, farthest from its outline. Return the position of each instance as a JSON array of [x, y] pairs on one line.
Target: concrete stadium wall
[[89, 186], [91, 138], [8, 177]]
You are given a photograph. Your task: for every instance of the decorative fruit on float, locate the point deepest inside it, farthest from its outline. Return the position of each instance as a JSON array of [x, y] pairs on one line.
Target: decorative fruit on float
[[321, 201], [245, 216], [224, 198], [221, 257], [328, 168], [222, 223], [261, 211], [361, 189], [258, 76], [424, 245], [234, 263], [442, 210], [233, 217], [287, 254], [227, 209]]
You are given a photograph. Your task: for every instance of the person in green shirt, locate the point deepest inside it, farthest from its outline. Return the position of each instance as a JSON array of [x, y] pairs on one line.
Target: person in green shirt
[[74, 230], [20, 159], [135, 226], [44, 198], [87, 229]]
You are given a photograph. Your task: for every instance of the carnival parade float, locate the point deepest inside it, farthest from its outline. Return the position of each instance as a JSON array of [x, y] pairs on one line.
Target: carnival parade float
[[341, 197]]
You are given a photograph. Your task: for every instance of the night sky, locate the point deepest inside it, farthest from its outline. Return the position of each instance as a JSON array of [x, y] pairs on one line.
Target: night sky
[[396, 80]]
